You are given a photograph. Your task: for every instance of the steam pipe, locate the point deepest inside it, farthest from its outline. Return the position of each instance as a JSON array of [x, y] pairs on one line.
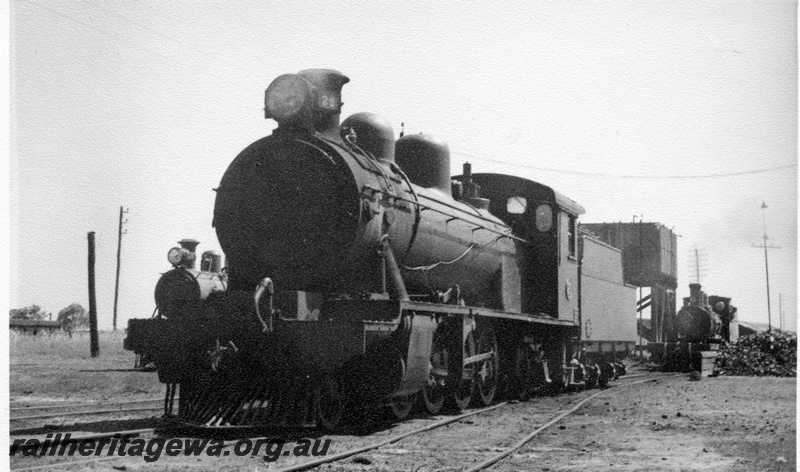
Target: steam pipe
[[394, 271], [267, 286]]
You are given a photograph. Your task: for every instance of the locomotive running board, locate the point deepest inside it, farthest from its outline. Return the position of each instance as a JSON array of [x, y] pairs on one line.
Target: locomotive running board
[[488, 312]]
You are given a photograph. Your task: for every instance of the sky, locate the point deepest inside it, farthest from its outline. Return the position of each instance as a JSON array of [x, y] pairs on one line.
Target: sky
[[679, 112]]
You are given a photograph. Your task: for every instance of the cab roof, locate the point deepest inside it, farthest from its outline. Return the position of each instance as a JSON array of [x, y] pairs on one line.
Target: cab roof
[[493, 185]]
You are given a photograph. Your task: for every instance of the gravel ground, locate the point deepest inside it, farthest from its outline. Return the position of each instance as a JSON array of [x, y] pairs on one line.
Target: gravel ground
[[717, 424]]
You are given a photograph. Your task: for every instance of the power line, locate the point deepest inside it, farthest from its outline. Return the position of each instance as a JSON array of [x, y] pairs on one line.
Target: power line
[[144, 27], [190, 26], [83, 23], [622, 176], [497, 161], [169, 38]]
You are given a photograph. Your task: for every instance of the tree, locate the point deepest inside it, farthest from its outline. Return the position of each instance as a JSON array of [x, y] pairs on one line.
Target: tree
[[74, 316], [33, 312]]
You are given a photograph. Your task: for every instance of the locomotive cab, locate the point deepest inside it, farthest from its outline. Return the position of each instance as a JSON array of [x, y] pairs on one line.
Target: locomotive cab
[[548, 222], [727, 313]]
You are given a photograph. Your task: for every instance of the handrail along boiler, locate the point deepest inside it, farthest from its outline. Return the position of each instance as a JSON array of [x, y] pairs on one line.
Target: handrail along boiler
[[360, 272]]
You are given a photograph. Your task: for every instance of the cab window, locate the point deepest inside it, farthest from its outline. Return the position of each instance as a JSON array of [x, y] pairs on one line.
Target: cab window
[[572, 230], [544, 217], [516, 205]]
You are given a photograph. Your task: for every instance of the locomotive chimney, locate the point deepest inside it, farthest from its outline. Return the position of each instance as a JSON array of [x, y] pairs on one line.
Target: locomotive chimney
[[190, 245], [696, 294], [330, 83]]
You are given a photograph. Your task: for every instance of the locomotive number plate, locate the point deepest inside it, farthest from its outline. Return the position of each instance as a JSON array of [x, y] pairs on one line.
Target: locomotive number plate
[[328, 101]]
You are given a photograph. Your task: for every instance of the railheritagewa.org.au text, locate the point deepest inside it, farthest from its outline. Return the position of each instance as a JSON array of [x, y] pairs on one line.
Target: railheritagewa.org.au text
[[152, 450]]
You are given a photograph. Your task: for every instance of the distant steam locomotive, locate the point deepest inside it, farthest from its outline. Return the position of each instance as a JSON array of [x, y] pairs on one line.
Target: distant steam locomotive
[[697, 331], [706, 318], [360, 274]]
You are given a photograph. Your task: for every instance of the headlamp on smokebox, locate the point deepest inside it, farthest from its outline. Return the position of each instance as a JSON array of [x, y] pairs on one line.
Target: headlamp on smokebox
[[291, 99], [176, 255]]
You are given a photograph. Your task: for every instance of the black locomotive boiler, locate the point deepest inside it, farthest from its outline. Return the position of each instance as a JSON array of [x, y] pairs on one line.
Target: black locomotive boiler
[[361, 273]]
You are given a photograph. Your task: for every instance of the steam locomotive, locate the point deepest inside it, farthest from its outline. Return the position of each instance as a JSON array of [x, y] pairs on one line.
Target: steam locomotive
[[705, 318], [699, 328], [361, 274]]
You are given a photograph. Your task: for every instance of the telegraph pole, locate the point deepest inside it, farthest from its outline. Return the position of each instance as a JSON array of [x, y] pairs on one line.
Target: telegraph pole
[[766, 264], [119, 249], [94, 343], [697, 262], [697, 259]]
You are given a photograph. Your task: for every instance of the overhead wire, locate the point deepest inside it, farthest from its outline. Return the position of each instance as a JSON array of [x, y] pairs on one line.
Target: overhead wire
[[190, 26], [142, 26], [87, 25], [485, 159], [624, 176], [168, 37]]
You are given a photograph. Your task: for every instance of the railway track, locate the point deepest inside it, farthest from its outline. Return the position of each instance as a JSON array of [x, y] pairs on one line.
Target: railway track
[[85, 413], [80, 405], [524, 441], [549, 419], [546, 418], [101, 408]]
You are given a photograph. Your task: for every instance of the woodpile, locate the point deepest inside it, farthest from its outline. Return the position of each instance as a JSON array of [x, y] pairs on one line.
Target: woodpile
[[761, 354]]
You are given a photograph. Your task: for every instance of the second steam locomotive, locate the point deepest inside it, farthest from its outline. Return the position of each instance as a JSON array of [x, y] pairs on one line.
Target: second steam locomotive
[[361, 274]]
